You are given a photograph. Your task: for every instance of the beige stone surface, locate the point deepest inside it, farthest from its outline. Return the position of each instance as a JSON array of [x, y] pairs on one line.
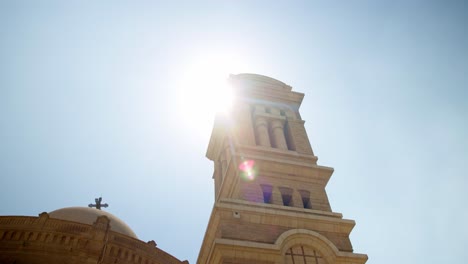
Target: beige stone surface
[[41, 240], [278, 211]]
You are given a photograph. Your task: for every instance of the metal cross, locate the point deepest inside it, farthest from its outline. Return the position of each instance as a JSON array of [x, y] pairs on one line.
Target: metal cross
[[98, 204]]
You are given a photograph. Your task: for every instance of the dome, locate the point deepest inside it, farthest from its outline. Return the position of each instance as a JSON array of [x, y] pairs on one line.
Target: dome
[[250, 79], [88, 216]]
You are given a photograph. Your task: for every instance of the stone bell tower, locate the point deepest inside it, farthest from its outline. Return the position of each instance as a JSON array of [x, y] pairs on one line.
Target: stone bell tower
[[270, 200]]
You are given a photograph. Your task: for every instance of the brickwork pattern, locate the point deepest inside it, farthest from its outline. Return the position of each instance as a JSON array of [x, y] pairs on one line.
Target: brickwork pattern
[[41, 239]]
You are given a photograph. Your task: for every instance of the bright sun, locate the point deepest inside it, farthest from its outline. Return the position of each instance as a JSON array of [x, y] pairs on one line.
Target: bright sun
[[203, 89]]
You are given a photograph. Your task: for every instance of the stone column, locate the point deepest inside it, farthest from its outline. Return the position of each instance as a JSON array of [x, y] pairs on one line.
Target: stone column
[[227, 151], [297, 199], [217, 178], [277, 128], [299, 137], [244, 130], [261, 127], [276, 196], [223, 163]]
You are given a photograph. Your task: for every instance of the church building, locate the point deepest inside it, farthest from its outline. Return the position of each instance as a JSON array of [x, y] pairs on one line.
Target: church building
[[270, 200]]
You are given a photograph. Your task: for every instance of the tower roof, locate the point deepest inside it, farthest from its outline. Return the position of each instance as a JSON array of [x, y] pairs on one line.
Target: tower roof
[[260, 88], [250, 79]]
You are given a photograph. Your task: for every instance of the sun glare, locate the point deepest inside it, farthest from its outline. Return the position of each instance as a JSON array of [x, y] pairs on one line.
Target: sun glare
[[203, 89]]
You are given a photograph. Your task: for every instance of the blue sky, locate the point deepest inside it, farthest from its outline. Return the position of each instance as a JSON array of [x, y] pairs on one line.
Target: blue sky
[[90, 105]]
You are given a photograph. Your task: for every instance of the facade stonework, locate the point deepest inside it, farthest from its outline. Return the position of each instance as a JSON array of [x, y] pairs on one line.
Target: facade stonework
[[271, 205], [40, 240]]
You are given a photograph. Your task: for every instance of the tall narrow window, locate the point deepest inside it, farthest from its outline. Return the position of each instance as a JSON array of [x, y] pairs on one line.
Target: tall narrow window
[[272, 136], [286, 194], [267, 190], [288, 136], [305, 195]]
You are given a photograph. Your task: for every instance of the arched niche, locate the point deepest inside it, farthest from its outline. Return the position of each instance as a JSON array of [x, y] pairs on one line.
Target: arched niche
[[300, 246]]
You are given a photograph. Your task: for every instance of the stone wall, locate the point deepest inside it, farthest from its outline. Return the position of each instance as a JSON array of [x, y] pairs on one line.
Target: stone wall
[[42, 239]]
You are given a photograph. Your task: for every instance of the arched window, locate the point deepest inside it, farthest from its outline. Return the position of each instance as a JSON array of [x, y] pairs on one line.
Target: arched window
[[303, 255]]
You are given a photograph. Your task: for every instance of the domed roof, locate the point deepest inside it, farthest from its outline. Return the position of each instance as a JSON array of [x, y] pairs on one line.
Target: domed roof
[[251, 79], [88, 216]]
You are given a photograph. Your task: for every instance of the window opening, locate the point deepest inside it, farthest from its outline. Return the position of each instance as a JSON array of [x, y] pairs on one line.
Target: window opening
[[267, 191], [303, 254], [272, 137], [305, 195], [288, 137]]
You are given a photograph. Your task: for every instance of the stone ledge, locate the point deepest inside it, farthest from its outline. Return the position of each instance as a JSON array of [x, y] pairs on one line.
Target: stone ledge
[[272, 208]]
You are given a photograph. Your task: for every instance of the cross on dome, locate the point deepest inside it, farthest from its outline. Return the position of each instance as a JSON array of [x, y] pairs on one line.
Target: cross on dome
[[98, 204]]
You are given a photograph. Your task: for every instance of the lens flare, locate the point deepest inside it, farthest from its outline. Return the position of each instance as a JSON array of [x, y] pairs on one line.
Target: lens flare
[[246, 165], [247, 169]]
